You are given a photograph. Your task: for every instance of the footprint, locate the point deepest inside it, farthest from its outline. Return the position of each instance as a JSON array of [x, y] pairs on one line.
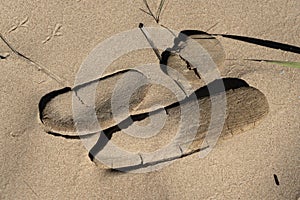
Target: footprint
[[245, 107], [174, 57], [56, 111]]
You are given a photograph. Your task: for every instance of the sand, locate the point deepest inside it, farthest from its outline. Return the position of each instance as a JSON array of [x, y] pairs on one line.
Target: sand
[[59, 35]]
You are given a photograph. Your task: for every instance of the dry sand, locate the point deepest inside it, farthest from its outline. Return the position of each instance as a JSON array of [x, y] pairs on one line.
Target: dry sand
[[36, 165]]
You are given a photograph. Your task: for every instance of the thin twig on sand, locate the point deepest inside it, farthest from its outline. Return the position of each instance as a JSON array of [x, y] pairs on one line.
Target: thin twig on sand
[[156, 16], [39, 67]]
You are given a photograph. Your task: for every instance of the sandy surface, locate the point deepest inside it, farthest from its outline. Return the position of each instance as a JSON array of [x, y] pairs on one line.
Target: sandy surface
[[36, 165]]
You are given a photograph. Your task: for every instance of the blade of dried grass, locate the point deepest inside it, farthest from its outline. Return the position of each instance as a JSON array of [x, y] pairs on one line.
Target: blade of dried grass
[[159, 10], [279, 62], [145, 11], [149, 10]]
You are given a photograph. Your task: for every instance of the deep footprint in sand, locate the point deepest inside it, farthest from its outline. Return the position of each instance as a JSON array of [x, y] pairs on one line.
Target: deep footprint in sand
[[245, 107]]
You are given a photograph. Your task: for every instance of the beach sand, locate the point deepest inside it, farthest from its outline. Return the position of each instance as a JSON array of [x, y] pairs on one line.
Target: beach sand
[[37, 165]]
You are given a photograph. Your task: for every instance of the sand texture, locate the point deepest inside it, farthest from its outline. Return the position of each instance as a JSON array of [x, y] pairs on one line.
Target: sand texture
[[42, 47]]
